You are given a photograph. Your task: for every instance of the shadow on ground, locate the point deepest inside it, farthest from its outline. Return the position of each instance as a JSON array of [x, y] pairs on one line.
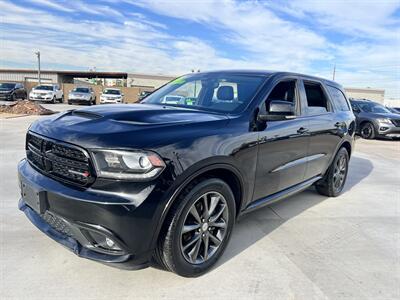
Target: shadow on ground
[[258, 224]]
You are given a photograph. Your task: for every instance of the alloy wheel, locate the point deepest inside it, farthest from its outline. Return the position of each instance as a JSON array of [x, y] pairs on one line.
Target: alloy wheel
[[366, 131], [339, 173], [204, 228]]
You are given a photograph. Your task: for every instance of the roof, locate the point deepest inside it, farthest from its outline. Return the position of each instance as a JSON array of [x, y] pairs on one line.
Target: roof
[[269, 73]]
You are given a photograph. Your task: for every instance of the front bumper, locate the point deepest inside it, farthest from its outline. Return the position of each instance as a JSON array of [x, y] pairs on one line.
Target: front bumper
[[77, 213], [79, 101], [110, 101], [5, 96], [41, 98], [386, 129]]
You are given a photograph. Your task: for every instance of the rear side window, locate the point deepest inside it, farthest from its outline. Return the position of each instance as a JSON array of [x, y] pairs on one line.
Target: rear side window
[[339, 99], [316, 99]]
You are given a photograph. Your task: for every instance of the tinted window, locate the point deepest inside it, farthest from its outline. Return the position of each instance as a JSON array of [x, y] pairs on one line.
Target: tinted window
[[112, 92], [339, 99], [44, 87], [316, 100], [283, 91], [7, 85], [373, 107], [217, 92], [81, 90]]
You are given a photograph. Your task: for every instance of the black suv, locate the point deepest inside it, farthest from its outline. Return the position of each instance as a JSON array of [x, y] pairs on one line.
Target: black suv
[[165, 181], [12, 91], [375, 120]]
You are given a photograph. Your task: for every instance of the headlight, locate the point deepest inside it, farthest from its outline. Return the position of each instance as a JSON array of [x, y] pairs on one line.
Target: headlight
[[384, 120], [119, 164]]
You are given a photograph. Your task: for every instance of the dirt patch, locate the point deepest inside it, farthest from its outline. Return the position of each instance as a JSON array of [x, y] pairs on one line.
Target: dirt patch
[[25, 107]]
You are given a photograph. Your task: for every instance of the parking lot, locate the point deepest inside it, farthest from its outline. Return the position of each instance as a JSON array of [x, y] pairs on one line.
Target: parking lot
[[304, 247]]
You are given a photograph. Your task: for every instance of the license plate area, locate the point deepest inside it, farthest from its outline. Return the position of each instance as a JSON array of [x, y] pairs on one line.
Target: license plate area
[[34, 198]]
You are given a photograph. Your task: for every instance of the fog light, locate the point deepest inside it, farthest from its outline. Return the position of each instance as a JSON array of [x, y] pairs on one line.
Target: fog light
[[102, 241], [383, 128]]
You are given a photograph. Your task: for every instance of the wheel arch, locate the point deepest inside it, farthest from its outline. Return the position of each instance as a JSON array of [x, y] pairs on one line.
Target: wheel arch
[[347, 146], [225, 172]]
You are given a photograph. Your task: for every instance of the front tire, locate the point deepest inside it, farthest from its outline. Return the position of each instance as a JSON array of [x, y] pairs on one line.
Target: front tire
[[367, 131], [198, 228], [335, 178]]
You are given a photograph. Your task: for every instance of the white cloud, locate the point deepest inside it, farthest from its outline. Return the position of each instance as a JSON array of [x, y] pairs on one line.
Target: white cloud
[[254, 34]]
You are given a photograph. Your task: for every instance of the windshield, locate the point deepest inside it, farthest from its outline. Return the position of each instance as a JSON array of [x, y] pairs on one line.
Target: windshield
[[81, 90], [372, 107], [44, 87], [112, 92], [7, 85], [216, 92]]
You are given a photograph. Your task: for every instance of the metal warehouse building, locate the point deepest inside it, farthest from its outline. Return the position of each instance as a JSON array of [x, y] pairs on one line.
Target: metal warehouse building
[[366, 93], [145, 81], [107, 78]]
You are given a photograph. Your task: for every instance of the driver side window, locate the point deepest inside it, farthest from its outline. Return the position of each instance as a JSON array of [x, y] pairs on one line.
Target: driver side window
[[284, 91]]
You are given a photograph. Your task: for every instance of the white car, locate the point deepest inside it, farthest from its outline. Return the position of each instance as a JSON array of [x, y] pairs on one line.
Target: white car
[[50, 93], [113, 96]]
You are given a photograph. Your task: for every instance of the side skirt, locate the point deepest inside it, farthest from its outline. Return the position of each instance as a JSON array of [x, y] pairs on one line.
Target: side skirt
[[281, 195]]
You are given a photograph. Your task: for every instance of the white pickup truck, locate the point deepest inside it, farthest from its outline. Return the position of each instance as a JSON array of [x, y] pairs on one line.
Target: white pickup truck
[[49, 93]]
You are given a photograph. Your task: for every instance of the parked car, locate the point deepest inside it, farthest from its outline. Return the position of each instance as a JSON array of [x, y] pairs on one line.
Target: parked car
[[49, 93], [113, 96], [12, 91], [375, 120], [130, 184], [143, 94], [82, 95]]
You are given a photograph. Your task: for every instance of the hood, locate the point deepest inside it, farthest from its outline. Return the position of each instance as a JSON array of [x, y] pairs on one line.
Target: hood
[[79, 94], [132, 125], [6, 90], [384, 115], [41, 91]]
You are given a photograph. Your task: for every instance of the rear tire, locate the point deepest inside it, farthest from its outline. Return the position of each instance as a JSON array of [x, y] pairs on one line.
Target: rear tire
[[197, 229], [367, 131], [335, 178]]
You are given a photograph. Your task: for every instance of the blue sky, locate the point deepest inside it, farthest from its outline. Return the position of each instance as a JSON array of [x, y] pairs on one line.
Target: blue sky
[[174, 37]]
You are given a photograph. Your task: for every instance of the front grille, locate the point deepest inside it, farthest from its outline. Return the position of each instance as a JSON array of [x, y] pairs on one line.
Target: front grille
[[64, 162], [396, 122], [57, 223]]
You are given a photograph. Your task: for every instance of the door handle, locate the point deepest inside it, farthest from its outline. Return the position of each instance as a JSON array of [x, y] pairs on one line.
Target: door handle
[[302, 130]]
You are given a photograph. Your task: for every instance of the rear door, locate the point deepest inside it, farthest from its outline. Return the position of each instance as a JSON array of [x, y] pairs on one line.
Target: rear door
[[282, 145], [325, 128]]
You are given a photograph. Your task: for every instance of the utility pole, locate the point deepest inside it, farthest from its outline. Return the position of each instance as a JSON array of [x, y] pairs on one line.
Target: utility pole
[[38, 57], [334, 72]]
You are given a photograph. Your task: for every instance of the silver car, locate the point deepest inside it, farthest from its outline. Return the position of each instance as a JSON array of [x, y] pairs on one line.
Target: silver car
[[82, 95]]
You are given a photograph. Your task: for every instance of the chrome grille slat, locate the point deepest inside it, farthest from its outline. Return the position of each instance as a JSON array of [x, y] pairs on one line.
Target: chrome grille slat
[[63, 162]]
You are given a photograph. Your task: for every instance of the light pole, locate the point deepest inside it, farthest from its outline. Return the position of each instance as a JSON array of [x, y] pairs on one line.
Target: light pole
[[38, 57]]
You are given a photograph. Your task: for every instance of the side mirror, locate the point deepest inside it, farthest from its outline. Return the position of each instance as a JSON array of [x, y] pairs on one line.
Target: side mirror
[[277, 110]]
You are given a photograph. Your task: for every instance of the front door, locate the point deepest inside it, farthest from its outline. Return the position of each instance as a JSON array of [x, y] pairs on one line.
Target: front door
[[282, 145], [325, 126]]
